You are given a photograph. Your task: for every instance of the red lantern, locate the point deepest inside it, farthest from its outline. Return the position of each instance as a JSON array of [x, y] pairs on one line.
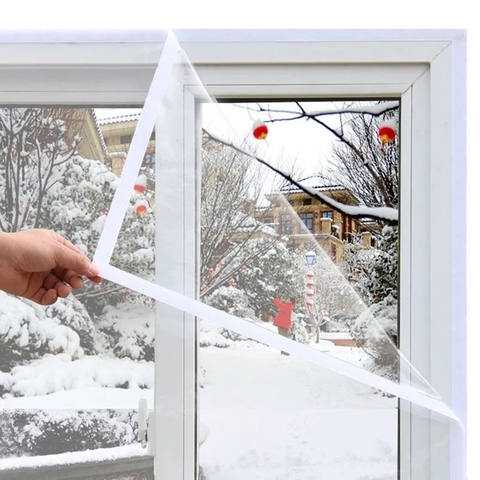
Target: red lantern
[[309, 302], [310, 274], [141, 184], [204, 287], [386, 133], [223, 265], [310, 283], [210, 271], [244, 269], [260, 130], [141, 207], [309, 293]]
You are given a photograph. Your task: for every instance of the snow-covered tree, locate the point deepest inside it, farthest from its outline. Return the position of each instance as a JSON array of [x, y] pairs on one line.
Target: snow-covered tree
[[277, 271], [376, 329], [34, 147], [48, 185], [384, 269]]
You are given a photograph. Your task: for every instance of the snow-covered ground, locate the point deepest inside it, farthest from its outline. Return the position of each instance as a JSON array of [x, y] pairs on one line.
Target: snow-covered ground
[[269, 416], [277, 417]]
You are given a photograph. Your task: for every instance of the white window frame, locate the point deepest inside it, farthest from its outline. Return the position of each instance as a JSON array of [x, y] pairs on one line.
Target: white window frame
[[426, 69]]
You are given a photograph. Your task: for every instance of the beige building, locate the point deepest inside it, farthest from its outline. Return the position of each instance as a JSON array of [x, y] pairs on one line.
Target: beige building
[[117, 132], [306, 222]]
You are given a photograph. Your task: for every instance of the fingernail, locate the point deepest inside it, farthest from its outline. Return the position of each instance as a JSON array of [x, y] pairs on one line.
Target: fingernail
[[93, 270]]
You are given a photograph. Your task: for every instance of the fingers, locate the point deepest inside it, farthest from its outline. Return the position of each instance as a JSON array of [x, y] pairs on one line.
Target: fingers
[[70, 258], [70, 277], [45, 297], [57, 282]]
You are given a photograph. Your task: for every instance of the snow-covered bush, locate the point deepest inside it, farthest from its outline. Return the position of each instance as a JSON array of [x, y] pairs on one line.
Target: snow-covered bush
[[26, 332], [230, 300], [233, 301], [36, 378], [213, 336], [129, 330], [376, 331], [71, 313], [298, 331], [47, 432]]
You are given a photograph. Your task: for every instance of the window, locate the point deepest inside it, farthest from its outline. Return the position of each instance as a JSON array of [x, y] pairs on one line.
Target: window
[[335, 231], [307, 201], [328, 214], [125, 139], [306, 222], [414, 66], [286, 224]]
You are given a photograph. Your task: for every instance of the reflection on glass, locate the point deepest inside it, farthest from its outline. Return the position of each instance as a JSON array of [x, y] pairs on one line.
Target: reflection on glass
[[295, 224], [72, 373]]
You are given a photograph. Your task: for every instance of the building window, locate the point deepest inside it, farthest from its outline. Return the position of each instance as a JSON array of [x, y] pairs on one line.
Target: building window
[[292, 203], [307, 201], [286, 224], [125, 139], [328, 214], [306, 224], [335, 231]]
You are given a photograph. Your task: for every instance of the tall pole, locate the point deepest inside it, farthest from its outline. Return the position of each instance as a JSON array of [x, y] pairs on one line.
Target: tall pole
[[310, 257]]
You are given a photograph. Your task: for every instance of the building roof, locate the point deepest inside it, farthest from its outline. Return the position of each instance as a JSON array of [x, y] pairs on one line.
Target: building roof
[[99, 131], [317, 182], [120, 116]]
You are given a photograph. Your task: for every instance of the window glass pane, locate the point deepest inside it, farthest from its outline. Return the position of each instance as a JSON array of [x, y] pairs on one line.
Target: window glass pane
[[271, 416], [337, 269], [72, 373]]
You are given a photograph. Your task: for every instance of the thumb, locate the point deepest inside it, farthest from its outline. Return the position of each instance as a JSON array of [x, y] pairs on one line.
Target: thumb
[[76, 261]]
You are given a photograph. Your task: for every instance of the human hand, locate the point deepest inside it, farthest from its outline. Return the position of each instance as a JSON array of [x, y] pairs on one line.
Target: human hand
[[41, 265]]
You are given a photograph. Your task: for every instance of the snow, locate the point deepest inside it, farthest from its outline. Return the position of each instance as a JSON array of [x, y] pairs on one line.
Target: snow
[[23, 323], [276, 417], [266, 416], [36, 378], [101, 454]]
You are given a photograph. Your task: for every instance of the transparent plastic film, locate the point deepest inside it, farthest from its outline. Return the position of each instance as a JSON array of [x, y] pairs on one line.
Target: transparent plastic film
[[241, 232], [271, 416]]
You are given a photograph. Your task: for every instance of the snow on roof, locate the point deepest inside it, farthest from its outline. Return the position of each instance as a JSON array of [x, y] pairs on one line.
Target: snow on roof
[[119, 115], [317, 182], [99, 131]]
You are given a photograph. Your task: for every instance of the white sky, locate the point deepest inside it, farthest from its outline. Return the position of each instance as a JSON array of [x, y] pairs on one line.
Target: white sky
[[305, 143], [109, 14]]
